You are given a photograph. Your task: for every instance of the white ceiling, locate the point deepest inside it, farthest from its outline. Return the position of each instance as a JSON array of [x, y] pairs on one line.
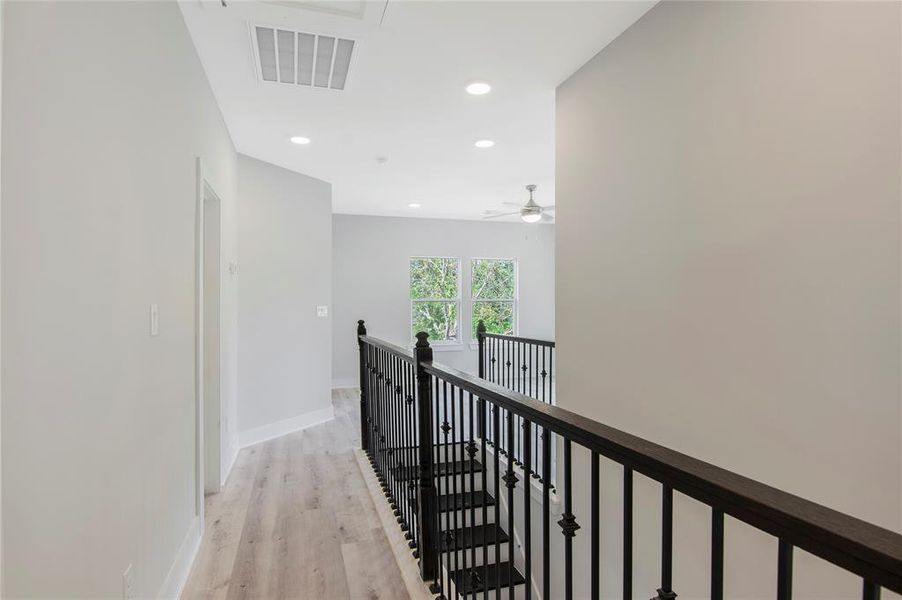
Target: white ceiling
[[405, 98]]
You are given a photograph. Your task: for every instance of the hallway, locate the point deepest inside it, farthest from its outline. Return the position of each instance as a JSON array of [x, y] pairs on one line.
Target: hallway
[[295, 520]]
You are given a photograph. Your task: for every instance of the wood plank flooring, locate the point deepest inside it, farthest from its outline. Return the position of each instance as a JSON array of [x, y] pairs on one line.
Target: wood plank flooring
[[295, 520]]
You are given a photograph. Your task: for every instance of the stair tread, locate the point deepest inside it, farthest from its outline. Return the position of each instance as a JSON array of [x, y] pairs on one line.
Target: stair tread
[[460, 467], [490, 577], [448, 502], [480, 535]]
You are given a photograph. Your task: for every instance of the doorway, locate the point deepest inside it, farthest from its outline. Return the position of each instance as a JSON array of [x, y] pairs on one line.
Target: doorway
[[212, 228], [207, 342]]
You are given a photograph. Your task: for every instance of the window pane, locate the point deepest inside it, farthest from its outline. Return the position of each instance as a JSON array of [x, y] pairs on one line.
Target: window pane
[[438, 319], [493, 279], [498, 317], [434, 278]]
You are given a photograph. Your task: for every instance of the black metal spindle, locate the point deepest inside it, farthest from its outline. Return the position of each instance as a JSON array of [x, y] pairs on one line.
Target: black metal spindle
[[485, 508], [627, 533], [717, 554], [394, 446], [527, 511], [784, 570], [441, 488], [447, 469], [546, 518], [665, 592], [413, 525], [551, 397], [568, 522], [460, 528], [471, 452], [407, 404], [871, 591], [496, 426], [510, 481], [595, 564]]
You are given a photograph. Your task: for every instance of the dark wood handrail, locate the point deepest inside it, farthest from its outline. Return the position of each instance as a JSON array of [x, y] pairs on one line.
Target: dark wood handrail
[[398, 351], [865, 549], [525, 340]]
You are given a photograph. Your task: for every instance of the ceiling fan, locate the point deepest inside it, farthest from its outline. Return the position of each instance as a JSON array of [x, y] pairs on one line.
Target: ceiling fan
[[530, 212]]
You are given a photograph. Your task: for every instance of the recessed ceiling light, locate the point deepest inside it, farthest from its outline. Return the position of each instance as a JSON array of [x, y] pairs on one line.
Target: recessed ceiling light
[[484, 143], [478, 88], [300, 140], [414, 205]]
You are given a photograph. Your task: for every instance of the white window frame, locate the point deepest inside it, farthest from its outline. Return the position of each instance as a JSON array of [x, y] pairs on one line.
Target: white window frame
[[457, 300], [515, 299]]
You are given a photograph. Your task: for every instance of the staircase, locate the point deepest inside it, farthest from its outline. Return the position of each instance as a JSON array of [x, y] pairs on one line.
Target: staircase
[[476, 549], [477, 522]]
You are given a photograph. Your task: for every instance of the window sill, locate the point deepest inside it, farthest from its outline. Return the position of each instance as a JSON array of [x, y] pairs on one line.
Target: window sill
[[447, 347], [442, 347]]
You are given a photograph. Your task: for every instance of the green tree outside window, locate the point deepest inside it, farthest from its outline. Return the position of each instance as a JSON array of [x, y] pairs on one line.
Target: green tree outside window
[[494, 292], [435, 298]]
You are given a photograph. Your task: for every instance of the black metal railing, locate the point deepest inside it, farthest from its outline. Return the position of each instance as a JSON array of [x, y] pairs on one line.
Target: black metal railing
[[431, 424], [521, 364], [524, 365]]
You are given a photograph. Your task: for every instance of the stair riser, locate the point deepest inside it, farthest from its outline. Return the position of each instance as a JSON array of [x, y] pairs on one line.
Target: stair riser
[[490, 518], [502, 556], [447, 483], [519, 593]]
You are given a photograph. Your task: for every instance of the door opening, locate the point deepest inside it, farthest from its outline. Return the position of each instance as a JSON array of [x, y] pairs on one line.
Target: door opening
[[212, 244]]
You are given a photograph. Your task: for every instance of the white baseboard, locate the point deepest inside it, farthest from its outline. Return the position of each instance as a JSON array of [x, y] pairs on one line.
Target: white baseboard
[[410, 570], [181, 567], [342, 383], [250, 437], [233, 449]]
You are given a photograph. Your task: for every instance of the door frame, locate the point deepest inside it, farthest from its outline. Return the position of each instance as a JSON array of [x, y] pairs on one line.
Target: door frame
[[203, 190]]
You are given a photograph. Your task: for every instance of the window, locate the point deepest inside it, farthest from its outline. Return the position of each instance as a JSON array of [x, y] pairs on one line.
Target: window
[[435, 298], [494, 292]]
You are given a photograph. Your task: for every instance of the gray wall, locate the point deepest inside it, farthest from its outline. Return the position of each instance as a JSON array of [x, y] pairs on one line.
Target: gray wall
[[105, 109], [371, 260], [728, 192], [285, 242]]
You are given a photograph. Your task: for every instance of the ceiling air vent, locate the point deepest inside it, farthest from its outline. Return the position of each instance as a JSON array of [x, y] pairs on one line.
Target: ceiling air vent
[[302, 58]]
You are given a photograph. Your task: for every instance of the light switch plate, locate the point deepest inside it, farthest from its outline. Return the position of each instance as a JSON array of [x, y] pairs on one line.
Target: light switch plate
[[154, 319], [322, 311]]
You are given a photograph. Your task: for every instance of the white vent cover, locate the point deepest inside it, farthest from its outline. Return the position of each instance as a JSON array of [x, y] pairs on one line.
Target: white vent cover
[[302, 58]]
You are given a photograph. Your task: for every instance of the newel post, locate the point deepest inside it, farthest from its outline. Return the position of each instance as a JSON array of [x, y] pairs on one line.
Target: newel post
[[480, 369], [429, 535], [364, 430], [480, 336]]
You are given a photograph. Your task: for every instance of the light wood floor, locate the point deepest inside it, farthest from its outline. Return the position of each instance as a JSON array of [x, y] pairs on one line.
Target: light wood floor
[[295, 520]]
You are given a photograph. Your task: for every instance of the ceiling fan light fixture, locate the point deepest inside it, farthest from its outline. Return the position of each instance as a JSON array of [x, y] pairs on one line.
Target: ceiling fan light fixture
[[531, 217]]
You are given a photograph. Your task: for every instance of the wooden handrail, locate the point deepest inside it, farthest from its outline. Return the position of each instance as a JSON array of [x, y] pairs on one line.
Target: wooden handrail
[[865, 549], [398, 351], [524, 340]]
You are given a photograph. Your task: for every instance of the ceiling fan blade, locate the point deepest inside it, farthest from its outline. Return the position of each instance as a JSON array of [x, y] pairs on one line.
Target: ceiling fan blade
[[549, 207], [509, 214], [547, 219]]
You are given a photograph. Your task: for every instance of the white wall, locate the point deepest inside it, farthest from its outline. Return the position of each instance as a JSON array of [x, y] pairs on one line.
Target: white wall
[[371, 261], [2, 11], [285, 241], [728, 192], [105, 110]]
